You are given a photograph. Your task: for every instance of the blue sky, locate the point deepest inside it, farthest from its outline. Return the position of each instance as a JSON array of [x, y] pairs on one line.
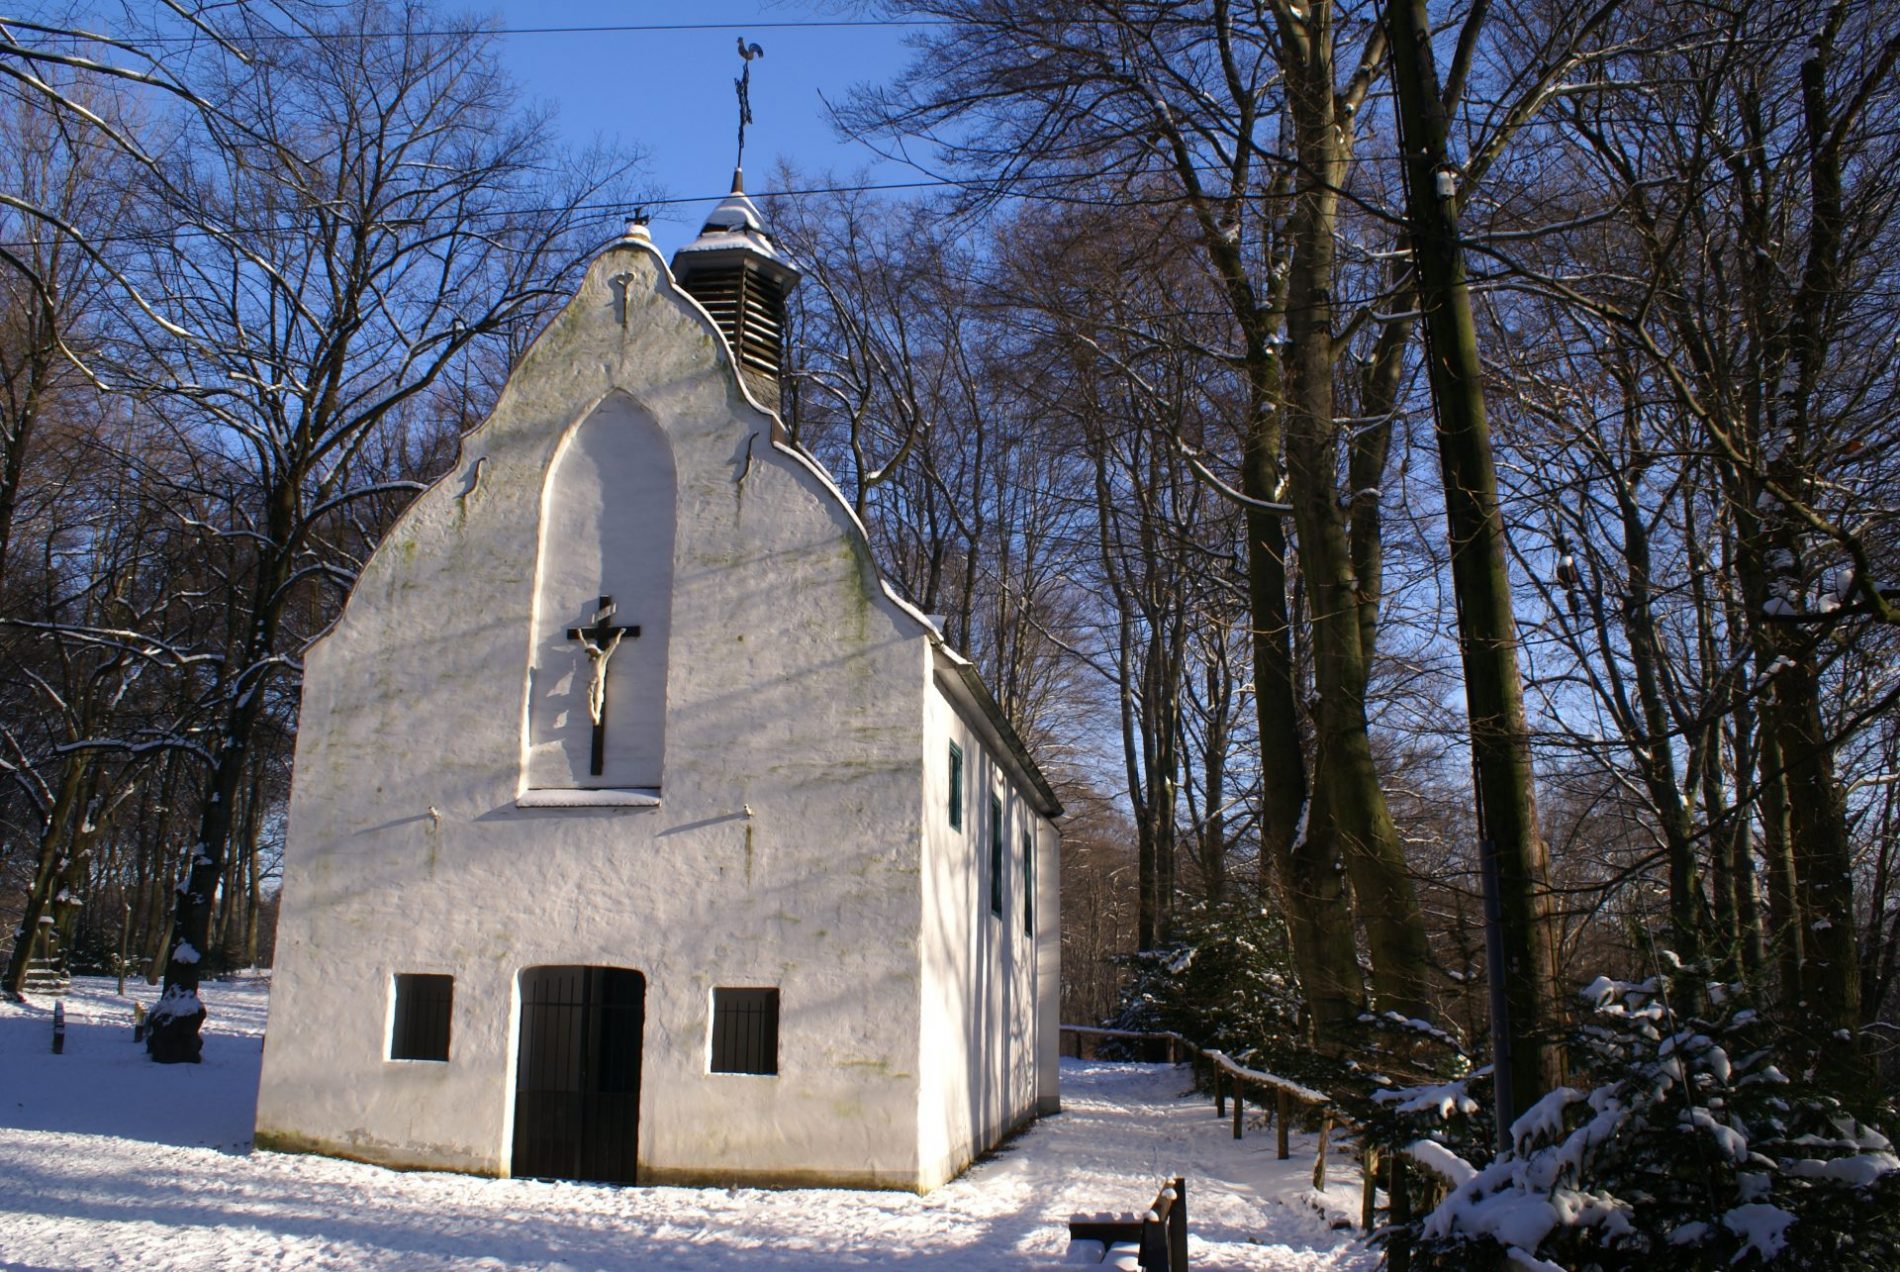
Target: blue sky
[[670, 92]]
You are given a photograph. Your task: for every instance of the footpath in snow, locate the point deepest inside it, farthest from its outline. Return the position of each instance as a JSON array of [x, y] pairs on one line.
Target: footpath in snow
[[108, 1160]]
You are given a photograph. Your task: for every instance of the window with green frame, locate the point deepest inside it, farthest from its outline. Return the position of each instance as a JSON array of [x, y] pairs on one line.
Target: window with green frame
[[1029, 884], [956, 787], [996, 856]]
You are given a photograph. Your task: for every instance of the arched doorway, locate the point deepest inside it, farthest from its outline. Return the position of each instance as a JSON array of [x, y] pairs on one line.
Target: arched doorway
[[577, 1077]]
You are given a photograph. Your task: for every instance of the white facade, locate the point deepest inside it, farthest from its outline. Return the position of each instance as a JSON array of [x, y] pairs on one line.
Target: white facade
[[771, 810]]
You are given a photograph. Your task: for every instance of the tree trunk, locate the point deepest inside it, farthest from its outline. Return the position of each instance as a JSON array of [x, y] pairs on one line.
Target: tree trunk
[[1369, 450], [56, 850], [253, 898], [1744, 739], [165, 863], [1312, 885], [1529, 1054], [1656, 756], [1817, 813], [1737, 918], [1822, 857], [1348, 800], [1213, 828], [25, 397], [173, 1035]]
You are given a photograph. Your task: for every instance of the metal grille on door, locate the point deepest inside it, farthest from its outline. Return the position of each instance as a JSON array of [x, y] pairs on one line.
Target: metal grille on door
[[577, 1083]]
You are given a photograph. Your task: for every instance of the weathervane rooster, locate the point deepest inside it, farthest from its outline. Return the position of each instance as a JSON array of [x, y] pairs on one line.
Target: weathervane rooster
[[744, 86]]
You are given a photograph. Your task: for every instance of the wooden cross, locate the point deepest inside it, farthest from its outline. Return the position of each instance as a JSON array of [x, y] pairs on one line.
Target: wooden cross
[[599, 641]]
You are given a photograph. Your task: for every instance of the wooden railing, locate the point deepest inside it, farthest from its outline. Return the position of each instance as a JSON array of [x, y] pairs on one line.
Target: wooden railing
[[1231, 1081]]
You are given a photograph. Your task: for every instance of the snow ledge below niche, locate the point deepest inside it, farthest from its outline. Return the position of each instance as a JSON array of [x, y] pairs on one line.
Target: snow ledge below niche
[[605, 797]]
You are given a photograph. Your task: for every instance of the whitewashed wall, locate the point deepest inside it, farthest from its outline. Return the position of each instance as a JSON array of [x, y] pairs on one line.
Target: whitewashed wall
[[608, 516], [989, 988], [794, 688]]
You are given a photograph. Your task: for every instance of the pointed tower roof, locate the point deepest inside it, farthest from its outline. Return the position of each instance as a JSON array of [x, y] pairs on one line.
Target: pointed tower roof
[[735, 270], [735, 227]]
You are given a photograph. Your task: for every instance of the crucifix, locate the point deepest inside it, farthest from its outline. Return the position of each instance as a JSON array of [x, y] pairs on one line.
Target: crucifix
[[599, 641]]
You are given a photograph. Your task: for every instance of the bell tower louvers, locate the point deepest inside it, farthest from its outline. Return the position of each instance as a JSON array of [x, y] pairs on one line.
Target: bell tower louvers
[[735, 270]]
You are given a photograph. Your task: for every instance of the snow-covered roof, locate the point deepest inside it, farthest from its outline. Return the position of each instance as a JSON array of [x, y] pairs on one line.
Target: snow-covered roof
[[734, 223]]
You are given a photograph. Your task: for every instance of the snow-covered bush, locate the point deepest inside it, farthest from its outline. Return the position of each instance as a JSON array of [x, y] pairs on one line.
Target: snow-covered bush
[[1224, 981], [1692, 1150], [1405, 1080], [1452, 1114]]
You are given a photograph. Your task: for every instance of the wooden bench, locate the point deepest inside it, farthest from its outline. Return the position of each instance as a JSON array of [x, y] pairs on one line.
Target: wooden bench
[[1158, 1238]]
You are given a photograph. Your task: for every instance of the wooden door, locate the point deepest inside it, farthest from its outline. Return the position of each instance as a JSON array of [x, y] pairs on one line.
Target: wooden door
[[577, 1078]]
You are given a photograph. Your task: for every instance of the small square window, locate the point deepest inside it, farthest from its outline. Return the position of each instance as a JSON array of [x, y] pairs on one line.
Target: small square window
[[956, 787], [996, 856], [745, 1031], [420, 1028]]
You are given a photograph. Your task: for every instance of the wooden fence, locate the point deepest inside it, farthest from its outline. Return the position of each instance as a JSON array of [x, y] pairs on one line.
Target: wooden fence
[[1232, 1081]]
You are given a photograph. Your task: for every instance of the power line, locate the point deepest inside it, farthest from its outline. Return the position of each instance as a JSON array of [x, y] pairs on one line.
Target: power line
[[603, 208], [1013, 186], [607, 29]]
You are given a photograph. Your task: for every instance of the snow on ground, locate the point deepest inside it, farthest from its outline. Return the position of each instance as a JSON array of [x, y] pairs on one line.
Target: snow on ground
[[108, 1160]]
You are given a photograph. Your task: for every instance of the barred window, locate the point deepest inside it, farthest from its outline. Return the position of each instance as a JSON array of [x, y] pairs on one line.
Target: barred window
[[745, 1031], [420, 1028]]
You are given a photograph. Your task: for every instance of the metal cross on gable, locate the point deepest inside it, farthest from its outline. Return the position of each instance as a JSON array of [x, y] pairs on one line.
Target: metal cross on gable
[[598, 641]]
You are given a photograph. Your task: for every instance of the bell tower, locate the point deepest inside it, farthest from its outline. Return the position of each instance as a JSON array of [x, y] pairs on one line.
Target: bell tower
[[735, 270]]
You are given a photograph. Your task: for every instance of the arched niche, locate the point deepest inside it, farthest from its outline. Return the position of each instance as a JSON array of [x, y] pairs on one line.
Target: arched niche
[[607, 519]]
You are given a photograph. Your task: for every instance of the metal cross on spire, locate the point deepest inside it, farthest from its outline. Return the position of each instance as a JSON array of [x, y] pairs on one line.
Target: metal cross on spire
[[743, 85]]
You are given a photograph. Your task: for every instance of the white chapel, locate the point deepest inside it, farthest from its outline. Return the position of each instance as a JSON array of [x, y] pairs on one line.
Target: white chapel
[[639, 831]]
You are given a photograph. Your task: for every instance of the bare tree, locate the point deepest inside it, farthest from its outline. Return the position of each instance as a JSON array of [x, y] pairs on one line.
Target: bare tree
[[366, 203], [1243, 119], [1523, 960], [1756, 189]]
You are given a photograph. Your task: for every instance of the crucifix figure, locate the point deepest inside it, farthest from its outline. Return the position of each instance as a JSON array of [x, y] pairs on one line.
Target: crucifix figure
[[599, 642]]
